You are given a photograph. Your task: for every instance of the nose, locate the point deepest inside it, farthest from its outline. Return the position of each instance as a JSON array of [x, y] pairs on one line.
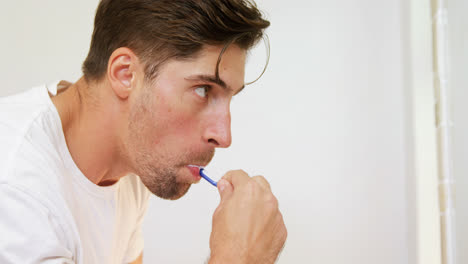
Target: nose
[[218, 132]]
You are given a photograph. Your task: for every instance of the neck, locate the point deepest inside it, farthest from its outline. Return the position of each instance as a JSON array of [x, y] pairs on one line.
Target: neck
[[90, 124]]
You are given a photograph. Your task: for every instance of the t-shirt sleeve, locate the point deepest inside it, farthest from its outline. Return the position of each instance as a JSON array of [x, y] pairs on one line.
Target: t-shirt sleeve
[[29, 232], [136, 243]]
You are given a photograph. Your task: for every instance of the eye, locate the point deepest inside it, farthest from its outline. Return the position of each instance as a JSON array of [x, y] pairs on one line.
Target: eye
[[202, 91]]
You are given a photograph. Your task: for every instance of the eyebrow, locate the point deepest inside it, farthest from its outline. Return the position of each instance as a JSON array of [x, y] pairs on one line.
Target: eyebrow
[[212, 79]]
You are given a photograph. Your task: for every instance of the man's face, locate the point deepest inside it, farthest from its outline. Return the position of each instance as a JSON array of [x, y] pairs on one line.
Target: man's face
[[181, 117]]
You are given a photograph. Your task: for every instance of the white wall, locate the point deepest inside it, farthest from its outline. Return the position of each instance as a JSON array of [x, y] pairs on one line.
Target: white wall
[[43, 41], [327, 125]]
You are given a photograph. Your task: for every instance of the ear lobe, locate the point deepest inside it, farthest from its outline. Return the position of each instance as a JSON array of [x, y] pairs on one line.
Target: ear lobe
[[121, 71]]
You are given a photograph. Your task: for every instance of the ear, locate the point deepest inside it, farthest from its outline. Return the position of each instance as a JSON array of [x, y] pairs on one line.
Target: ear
[[122, 71]]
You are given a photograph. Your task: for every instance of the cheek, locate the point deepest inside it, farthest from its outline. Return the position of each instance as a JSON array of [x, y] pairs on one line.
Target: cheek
[[174, 125], [173, 118]]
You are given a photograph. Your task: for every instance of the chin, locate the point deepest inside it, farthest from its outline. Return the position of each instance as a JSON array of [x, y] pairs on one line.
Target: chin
[[183, 189], [163, 183], [173, 192]]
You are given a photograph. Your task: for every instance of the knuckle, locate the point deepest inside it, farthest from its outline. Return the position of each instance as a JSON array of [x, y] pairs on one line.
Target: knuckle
[[252, 183], [271, 200], [235, 172], [270, 208], [229, 173], [283, 230], [253, 187], [284, 234], [259, 177], [262, 181]]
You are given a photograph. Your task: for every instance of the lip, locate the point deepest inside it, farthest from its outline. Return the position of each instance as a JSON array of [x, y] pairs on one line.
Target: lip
[[195, 170]]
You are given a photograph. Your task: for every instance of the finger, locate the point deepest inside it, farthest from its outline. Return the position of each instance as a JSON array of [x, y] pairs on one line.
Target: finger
[[225, 189], [262, 181], [236, 177]]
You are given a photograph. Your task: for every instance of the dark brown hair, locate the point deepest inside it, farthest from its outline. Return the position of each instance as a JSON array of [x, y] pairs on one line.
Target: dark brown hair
[[158, 30]]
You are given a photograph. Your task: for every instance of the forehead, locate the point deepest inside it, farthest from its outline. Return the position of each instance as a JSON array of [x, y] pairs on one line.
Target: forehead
[[231, 67]]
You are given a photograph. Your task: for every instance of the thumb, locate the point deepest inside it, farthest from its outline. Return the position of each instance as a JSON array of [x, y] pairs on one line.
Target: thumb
[[225, 189]]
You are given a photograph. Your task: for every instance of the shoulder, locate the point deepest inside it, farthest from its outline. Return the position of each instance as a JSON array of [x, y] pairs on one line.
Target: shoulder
[[18, 119], [27, 132], [29, 223], [29, 159], [34, 212], [30, 163], [18, 110]]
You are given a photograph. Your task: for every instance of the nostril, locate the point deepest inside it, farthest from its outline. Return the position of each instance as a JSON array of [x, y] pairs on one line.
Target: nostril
[[213, 142]]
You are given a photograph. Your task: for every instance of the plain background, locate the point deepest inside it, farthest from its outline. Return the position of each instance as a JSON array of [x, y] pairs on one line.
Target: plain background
[[328, 125], [458, 74]]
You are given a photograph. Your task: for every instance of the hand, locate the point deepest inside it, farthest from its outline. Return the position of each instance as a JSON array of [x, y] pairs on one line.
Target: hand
[[247, 225]]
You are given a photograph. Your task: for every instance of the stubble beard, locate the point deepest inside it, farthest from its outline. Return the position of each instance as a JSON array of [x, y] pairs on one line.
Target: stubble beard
[[163, 181], [157, 171]]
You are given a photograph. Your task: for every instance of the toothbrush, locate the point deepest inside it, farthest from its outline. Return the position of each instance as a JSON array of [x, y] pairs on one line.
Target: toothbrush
[[203, 175]]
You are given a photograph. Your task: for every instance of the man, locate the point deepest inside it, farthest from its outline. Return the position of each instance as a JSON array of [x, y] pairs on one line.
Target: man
[[78, 161]]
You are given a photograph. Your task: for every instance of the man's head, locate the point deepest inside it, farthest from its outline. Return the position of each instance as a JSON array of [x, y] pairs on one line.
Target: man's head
[[174, 66], [158, 30]]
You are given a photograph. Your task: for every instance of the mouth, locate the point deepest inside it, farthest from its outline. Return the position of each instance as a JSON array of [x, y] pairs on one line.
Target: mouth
[[195, 170]]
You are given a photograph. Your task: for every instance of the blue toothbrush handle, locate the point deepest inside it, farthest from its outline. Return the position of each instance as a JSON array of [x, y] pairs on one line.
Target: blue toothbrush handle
[[203, 175]]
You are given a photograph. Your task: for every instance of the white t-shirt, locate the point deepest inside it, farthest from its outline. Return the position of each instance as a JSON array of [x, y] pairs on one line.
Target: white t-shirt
[[49, 211]]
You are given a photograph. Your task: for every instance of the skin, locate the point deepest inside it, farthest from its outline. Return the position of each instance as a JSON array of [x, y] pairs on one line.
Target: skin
[[247, 225], [154, 129]]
